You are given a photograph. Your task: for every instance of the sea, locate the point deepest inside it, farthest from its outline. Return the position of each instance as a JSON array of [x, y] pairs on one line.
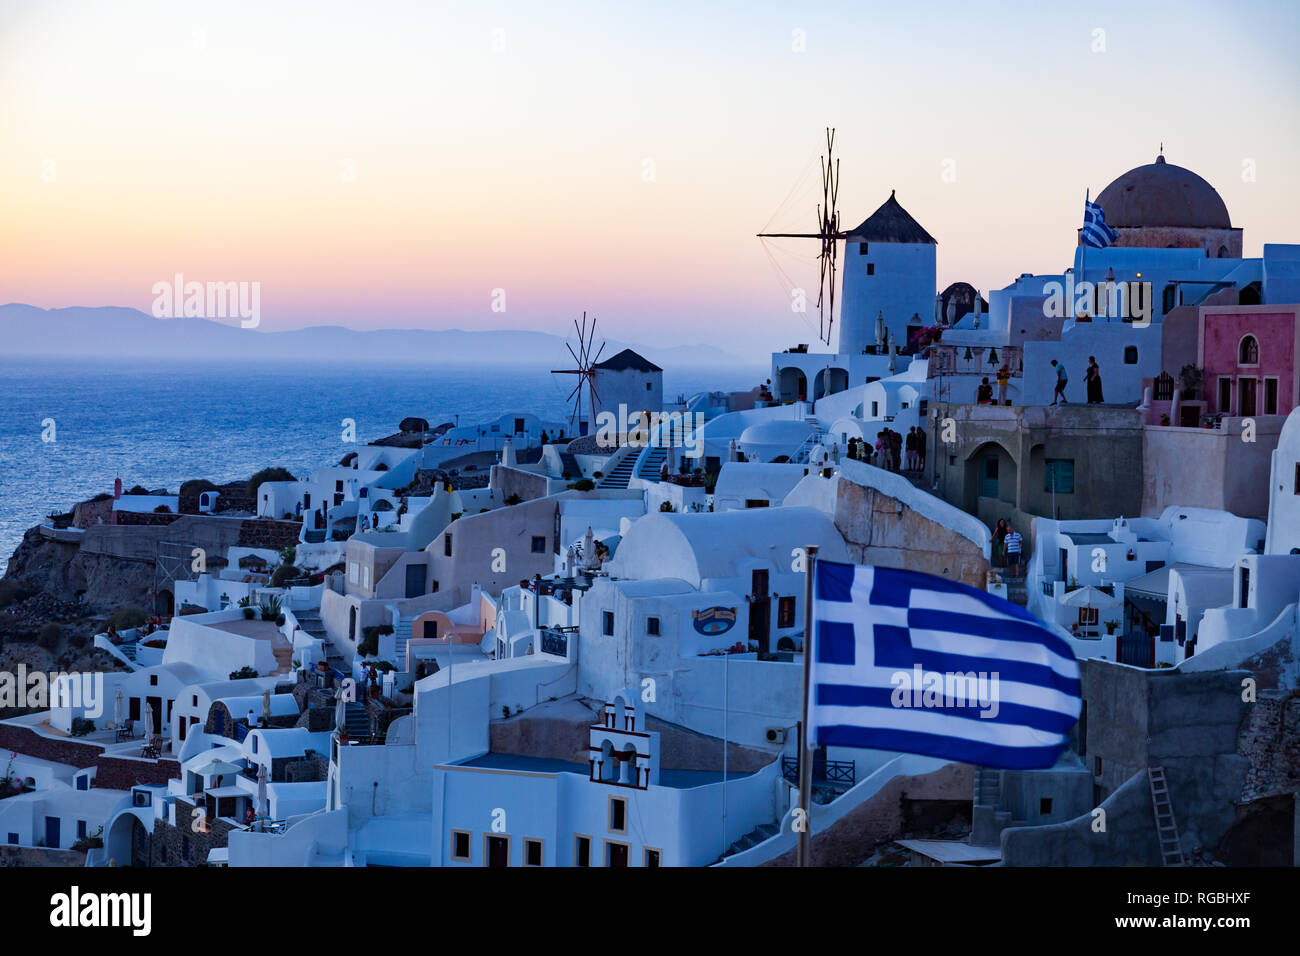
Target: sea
[[69, 428]]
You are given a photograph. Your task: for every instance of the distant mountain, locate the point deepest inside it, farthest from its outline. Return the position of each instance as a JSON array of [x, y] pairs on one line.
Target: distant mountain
[[112, 332]]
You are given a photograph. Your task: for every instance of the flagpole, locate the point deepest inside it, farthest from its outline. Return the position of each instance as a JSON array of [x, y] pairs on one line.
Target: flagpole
[[805, 758], [1083, 249]]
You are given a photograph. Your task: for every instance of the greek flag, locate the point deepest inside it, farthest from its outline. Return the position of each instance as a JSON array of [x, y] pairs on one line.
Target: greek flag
[[920, 664], [1095, 231]]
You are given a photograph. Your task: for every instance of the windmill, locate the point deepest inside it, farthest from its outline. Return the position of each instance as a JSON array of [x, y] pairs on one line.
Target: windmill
[[586, 372], [828, 234]]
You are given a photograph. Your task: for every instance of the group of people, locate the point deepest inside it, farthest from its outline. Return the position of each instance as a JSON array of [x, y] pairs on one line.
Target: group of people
[[1092, 378], [1008, 547], [984, 394], [892, 450]]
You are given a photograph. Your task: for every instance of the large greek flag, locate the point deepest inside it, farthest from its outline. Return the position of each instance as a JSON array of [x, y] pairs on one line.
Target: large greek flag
[[1096, 232], [919, 664]]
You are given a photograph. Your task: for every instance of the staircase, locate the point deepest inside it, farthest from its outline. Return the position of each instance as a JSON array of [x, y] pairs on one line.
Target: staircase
[[1166, 828], [401, 634], [1017, 593], [356, 720], [801, 456], [988, 787], [622, 473], [283, 657], [311, 623], [760, 834], [651, 459], [569, 465]]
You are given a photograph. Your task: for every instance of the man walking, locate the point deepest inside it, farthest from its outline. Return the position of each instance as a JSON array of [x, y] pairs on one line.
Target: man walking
[[1061, 379], [1013, 543]]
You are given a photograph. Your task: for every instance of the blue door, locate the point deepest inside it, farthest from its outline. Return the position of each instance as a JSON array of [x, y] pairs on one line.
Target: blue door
[[52, 832], [989, 477]]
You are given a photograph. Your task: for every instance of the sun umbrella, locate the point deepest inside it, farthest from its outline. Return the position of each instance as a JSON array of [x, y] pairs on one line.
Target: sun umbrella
[[340, 714], [148, 721], [266, 705], [263, 807]]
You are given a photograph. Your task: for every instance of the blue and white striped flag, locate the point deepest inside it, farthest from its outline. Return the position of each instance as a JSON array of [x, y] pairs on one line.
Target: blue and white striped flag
[[920, 664], [1095, 231]]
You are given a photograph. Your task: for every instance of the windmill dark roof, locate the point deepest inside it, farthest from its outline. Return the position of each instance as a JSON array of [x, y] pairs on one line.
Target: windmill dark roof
[[890, 223], [627, 359]]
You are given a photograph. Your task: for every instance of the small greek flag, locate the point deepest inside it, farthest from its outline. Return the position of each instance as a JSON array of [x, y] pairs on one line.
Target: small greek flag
[[1095, 231], [920, 664]]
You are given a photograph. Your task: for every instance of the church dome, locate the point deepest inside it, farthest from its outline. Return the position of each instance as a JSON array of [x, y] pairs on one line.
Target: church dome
[[1162, 194]]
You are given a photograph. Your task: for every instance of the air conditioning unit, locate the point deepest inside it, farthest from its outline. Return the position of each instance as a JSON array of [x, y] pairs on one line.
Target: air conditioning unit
[[776, 735]]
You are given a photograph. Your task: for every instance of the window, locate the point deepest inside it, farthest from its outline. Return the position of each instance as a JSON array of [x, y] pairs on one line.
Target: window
[[581, 850], [446, 545], [652, 626], [83, 782], [1248, 351], [607, 623], [1059, 475], [153, 680], [1045, 805], [194, 700], [141, 798], [81, 829], [1244, 600], [498, 850], [871, 268], [519, 426], [254, 743], [649, 387], [651, 858], [1297, 478], [617, 815], [785, 612], [532, 852], [862, 248], [539, 544], [1088, 615], [338, 485], [1225, 395], [1270, 396], [13, 839], [756, 502], [616, 854], [1130, 355], [875, 409]]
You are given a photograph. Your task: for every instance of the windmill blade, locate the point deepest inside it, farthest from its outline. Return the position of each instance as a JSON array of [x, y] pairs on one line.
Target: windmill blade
[[576, 361], [599, 354]]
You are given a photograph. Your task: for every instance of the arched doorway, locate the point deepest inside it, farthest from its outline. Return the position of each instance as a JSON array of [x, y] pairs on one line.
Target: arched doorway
[[165, 605], [792, 385]]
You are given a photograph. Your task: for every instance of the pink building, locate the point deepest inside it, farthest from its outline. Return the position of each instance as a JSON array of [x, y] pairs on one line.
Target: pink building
[[1249, 355]]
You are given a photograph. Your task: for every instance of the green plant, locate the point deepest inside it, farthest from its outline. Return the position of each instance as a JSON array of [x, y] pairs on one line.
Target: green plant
[[284, 573], [162, 510], [92, 841], [126, 616], [267, 474], [247, 601], [583, 484], [249, 613], [272, 608], [243, 673], [289, 555], [514, 500], [82, 726], [50, 635], [666, 506]]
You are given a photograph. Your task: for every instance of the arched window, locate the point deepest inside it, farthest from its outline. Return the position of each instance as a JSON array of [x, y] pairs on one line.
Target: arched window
[[1130, 355], [1248, 351], [1223, 252]]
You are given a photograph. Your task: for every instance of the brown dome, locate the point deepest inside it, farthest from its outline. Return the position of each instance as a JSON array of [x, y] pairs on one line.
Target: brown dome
[[1162, 194]]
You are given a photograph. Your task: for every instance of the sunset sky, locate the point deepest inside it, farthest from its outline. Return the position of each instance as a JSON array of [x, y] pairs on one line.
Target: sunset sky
[[387, 164]]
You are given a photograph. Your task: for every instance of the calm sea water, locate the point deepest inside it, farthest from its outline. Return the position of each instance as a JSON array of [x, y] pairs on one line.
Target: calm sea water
[[157, 424]]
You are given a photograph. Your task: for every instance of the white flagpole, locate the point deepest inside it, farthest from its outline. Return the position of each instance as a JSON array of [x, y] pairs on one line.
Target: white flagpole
[[805, 756], [1083, 250], [726, 691]]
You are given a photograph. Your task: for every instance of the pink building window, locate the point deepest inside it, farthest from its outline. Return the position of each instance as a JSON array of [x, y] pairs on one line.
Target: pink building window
[[1248, 351]]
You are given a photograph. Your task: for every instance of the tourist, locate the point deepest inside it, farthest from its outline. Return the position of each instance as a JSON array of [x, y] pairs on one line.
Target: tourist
[[1013, 545], [999, 543], [1093, 378], [1004, 377], [984, 394], [1061, 379], [252, 719], [544, 439], [910, 449], [663, 470], [880, 450]]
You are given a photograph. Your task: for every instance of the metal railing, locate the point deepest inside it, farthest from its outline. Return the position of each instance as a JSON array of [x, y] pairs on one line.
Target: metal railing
[[835, 773]]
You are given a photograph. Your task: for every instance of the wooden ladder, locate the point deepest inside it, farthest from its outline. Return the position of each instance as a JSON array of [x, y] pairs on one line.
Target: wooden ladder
[[1166, 827]]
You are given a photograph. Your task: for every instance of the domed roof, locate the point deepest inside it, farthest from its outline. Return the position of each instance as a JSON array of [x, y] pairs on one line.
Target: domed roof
[[1162, 194]]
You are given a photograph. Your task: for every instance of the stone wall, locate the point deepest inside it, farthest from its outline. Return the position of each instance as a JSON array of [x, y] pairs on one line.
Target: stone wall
[[884, 816], [168, 843], [89, 513], [39, 856], [882, 530], [1270, 742]]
